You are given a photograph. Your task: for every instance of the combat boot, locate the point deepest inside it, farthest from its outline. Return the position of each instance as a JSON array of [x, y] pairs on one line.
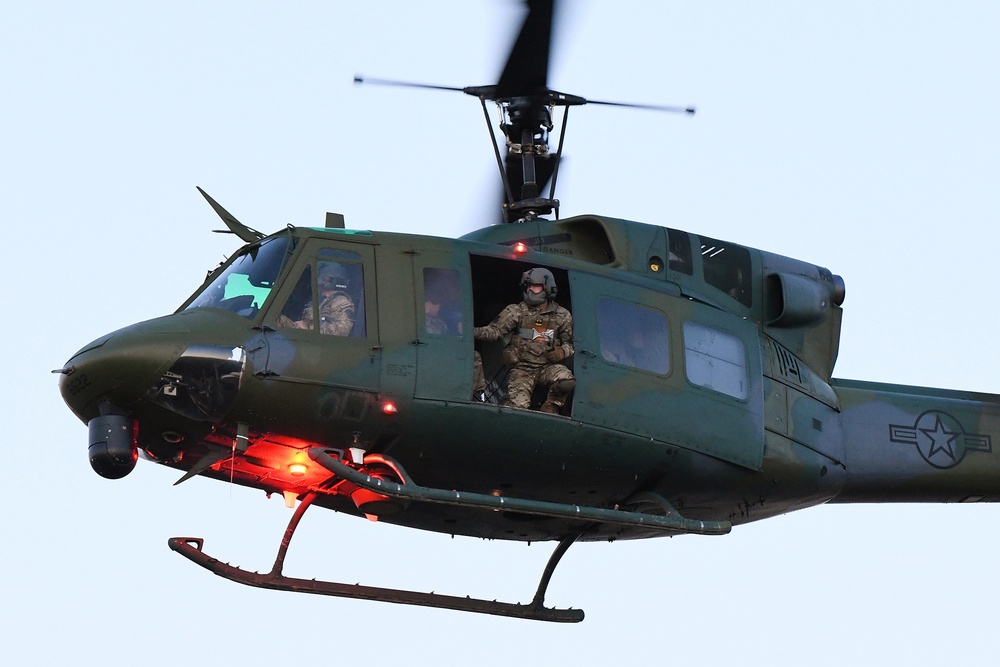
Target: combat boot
[[556, 399], [550, 407]]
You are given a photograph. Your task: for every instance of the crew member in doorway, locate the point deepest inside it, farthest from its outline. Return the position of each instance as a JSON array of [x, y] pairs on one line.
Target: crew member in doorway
[[542, 339]]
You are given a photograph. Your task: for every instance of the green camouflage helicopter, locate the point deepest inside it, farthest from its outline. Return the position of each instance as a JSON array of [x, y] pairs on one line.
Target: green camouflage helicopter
[[703, 395]]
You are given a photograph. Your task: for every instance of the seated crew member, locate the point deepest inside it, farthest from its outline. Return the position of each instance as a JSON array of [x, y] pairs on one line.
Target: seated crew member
[[336, 307], [542, 338], [433, 322]]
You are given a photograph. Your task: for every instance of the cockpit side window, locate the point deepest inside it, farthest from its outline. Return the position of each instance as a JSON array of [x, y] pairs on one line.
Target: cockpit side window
[[727, 267], [679, 246], [244, 285], [339, 297], [297, 302]]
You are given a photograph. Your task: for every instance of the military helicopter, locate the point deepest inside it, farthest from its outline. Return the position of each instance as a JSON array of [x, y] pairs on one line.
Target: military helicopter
[[704, 396]]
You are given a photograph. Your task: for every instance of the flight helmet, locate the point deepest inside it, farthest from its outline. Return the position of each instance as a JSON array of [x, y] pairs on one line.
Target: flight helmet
[[333, 275], [538, 277]]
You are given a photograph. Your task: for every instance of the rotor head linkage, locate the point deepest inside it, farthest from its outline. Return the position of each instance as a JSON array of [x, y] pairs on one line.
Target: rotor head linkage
[[526, 102]]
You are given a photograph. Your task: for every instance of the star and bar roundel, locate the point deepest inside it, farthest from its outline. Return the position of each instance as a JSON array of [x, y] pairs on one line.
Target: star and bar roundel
[[940, 438]]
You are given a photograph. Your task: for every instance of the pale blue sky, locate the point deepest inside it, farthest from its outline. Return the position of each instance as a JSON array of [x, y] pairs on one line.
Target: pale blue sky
[[856, 135]]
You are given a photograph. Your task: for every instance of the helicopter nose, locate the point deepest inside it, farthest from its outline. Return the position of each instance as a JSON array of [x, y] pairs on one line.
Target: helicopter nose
[[96, 382], [157, 366], [110, 369], [152, 378]]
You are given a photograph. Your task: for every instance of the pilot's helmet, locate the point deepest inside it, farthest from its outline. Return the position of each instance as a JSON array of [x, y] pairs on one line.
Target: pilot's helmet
[[333, 275], [538, 286]]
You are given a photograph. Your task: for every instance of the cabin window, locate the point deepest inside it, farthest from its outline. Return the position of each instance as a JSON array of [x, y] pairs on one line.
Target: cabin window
[[442, 302], [633, 336], [339, 296], [715, 360], [727, 268], [245, 284], [679, 246]]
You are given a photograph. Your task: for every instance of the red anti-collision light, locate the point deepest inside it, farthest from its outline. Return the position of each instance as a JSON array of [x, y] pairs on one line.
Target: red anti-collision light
[[520, 247], [389, 408]]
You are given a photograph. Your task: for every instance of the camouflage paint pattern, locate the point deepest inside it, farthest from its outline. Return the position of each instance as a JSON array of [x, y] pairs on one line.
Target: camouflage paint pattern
[[797, 438]]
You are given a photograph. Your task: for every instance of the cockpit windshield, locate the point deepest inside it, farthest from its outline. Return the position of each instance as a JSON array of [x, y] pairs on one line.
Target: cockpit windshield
[[245, 284]]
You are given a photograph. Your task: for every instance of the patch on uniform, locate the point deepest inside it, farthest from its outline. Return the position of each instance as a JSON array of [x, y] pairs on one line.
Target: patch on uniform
[[940, 438], [540, 332]]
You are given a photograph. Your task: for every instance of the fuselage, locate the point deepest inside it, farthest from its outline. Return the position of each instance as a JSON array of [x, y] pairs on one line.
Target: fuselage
[[703, 377]]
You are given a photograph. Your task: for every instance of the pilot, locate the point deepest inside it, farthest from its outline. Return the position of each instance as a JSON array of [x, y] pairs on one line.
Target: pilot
[[337, 310], [542, 339], [336, 306]]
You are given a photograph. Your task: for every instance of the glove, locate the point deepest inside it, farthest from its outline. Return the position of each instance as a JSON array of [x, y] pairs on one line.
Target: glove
[[556, 355], [510, 356]]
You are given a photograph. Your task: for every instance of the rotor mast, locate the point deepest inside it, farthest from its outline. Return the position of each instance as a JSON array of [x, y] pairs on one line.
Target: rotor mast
[[526, 103], [526, 123], [524, 98]]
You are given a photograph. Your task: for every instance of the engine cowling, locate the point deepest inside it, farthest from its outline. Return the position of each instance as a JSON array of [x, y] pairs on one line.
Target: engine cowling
[[794, 300]]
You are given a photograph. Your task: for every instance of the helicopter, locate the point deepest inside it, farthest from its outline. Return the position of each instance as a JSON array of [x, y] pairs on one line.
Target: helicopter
[[737, 419]]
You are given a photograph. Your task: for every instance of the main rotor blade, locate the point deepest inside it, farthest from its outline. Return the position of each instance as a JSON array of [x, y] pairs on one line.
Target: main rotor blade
[[359, 79], [527, 67], [651, 107]]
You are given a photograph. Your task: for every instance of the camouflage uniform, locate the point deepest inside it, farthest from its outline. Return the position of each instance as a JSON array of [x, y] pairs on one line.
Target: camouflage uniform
[[478, 376], [436, 325], [336, 312], [541, 337], [336, 305], [336, 315]]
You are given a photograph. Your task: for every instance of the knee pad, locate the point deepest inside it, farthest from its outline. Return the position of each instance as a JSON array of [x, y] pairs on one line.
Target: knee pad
[[563, 388]]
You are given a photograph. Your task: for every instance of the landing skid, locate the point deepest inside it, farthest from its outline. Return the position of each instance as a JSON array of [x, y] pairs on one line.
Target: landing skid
[[191, 548], [669, 521]]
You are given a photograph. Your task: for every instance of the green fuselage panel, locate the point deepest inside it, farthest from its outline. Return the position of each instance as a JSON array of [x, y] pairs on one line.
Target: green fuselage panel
[[664, 403]]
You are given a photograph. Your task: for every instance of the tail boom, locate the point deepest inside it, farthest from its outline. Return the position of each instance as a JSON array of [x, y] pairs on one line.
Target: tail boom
[[917, 444]]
